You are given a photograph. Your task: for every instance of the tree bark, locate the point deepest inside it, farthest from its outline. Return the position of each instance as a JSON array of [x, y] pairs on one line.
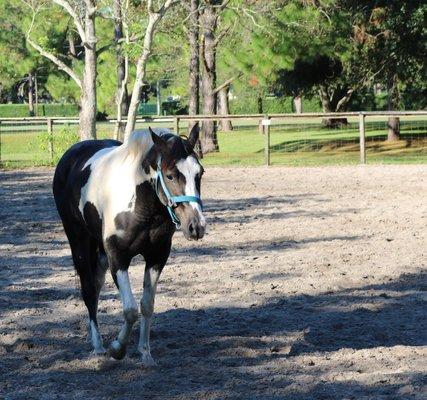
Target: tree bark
[[31, 94], [72, 46], [208, 54], [139, 78], [194, 65], [393, 123], [224, 109], [153, 20], [122, 72], [260, 110], [87, 117], [297, 100], [334, 100], [36, 94]]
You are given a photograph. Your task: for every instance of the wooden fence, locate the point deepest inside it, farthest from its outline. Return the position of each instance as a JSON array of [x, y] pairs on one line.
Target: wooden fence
[[264, 121]]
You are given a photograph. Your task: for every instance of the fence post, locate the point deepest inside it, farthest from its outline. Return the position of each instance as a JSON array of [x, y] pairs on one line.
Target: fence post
[[50, 137], [266, 125], [176, 125], [362, 138]]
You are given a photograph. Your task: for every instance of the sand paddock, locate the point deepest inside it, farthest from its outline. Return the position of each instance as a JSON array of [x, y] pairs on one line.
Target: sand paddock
[[310, 284]]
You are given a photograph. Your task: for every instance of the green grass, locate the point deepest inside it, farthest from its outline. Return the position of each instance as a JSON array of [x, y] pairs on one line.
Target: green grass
[[290, 145], [302, 144]]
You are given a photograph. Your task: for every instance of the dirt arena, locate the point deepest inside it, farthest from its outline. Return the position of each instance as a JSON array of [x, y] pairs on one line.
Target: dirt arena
[[310, 284]]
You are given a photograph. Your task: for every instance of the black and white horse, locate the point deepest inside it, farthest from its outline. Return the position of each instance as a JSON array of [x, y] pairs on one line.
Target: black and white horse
[[119, 200]]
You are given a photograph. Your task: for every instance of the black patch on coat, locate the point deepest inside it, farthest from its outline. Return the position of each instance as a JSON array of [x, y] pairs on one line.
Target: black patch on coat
[[148, 222], [93, 220]]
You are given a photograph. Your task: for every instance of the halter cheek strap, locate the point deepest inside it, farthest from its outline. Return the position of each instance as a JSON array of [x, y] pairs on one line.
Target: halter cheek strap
[[173, 201]]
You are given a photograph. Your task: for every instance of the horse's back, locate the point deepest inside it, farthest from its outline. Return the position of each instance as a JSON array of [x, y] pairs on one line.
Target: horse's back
[[71, 174]]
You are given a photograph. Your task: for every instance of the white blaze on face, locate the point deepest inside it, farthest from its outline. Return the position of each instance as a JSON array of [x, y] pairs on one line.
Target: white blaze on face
[[190, 167]]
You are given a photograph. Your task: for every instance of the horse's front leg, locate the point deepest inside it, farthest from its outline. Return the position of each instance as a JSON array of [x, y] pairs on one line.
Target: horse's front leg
[[151, 278], [153, 269], [130, 313]]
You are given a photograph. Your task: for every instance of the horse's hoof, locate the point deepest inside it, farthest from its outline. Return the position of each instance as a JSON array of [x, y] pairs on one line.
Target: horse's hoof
[[117, 350], [99, 352], [147, 360]]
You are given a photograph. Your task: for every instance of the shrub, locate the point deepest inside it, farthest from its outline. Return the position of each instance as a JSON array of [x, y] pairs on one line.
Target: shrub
[[44, 110], [272, 105], [60, 141]]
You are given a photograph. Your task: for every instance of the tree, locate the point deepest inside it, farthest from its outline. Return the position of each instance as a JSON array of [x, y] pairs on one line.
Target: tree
[[209, 19], [194, 65], [20, 68], [394, 38], [121, 31], [154, 17], [83, 15]]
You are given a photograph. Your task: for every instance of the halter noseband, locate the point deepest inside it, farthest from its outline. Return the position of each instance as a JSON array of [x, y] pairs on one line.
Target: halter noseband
[[173, 200]]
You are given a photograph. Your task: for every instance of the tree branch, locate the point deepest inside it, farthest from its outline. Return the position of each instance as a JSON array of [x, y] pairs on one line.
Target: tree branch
[[344, 100], [61, 65], [226, 83], [77, 22]]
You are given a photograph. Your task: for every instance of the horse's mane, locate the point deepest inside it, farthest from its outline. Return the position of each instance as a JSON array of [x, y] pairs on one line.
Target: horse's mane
[[140, 141]]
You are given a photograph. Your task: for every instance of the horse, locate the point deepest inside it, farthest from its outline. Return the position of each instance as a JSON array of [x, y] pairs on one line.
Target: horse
[[117, 200]]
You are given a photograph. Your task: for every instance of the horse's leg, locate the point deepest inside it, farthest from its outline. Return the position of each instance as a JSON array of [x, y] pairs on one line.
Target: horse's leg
[[91, 270], [151, 277], [130, 312], [153, 270]]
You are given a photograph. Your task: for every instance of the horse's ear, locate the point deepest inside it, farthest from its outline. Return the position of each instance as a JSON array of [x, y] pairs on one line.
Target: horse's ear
[[159, 143], [194, 136]]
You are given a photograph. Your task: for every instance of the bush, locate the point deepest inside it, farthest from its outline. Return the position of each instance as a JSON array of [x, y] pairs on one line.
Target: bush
[[272, 105], [44, 110], [174, 108], [59, 142]]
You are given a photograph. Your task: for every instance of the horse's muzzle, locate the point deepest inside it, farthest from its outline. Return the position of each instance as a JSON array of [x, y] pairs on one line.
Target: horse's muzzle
[[195, 229]]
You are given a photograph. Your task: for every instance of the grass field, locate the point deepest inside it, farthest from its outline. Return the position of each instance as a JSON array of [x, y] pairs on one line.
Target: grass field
[[294, 143]]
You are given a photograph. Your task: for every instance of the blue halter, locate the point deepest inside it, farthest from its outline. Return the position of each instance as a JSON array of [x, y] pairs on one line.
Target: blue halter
[[173, 200]]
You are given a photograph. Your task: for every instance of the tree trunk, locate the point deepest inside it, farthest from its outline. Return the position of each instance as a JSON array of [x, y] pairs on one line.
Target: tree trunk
[[121, 91], [72, 46], [194, 65], [260, 110], [30, 94], [141, 67], [297, 100], [333, 100], [393, 129], [209, 22], [87, 127], [224, 109], [393, 123], [36, 94]]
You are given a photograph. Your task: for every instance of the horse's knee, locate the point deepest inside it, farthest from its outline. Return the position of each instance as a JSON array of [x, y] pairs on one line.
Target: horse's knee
[[147, 308], [131, 315]]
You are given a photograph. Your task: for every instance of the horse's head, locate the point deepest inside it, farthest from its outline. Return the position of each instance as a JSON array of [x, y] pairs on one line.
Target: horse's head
[[179, 175]]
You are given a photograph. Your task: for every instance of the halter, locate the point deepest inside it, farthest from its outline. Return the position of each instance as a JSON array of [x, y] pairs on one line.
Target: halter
[[173, 200]]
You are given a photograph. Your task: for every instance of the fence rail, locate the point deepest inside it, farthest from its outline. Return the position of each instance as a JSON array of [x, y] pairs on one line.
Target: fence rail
[[364, 129]]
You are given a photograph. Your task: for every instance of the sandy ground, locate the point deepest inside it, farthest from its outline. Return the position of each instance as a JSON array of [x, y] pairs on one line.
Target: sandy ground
[[310, 284]]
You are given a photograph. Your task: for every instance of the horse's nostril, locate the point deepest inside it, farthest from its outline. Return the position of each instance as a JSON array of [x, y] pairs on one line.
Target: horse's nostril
[[191, 228]]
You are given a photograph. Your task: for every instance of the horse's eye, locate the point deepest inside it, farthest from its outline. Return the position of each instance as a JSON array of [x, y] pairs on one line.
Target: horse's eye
[[170, 177]]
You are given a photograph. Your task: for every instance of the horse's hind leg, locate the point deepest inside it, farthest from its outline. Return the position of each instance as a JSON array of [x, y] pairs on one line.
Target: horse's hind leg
[[91, 266]]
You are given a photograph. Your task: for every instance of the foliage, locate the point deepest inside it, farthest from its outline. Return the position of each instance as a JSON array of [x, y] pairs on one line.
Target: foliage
[[277, 47], [59, 142], [271, 105], [44, 110]]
